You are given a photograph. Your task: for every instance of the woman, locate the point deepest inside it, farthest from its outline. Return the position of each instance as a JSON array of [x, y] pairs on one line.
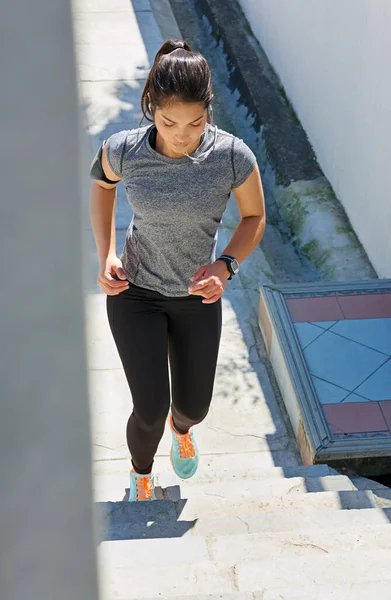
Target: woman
[[164, 294]]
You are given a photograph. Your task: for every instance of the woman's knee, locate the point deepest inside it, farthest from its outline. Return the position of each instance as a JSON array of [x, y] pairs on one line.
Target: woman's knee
[[149, 423], [192, 414]]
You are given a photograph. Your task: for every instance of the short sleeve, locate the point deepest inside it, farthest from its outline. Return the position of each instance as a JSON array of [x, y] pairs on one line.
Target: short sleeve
[[243, 161], [115, 147]]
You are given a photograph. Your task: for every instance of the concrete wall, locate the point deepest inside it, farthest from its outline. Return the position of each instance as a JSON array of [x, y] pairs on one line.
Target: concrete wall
[[333, 58], [47, 541]]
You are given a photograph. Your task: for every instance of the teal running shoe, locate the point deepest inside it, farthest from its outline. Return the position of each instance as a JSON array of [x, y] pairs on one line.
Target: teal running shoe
[[142, 487], [184, 452]]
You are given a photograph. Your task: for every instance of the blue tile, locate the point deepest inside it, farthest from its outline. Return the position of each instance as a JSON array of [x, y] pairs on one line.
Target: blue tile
[[325, 324], [355, 398], [327, 392], [378, 386], [341, 361], [375, 333], [307, 333]]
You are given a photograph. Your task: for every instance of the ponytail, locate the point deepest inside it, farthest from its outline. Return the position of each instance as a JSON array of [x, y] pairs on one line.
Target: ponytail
[[177, 72]]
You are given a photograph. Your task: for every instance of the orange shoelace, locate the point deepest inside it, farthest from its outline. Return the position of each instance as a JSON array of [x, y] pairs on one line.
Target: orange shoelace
[[186, 446], [144, 488]]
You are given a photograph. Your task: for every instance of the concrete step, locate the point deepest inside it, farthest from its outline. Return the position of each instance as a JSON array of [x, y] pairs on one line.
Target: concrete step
[[339, 568], [233, 550], [261, 487], [362, 591], [111, 478], [266, 545], [281, 521], [351, 591], [134, 583], [251, 465], [216, 506], [127, 580], [239, 468], [152, 520], [237, 596]]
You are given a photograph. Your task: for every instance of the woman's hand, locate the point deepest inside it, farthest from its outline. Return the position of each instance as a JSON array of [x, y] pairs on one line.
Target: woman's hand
[[210, 281], [107, 270]]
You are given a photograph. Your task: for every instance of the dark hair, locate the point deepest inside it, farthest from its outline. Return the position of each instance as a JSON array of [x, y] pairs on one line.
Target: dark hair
[[177, 73]]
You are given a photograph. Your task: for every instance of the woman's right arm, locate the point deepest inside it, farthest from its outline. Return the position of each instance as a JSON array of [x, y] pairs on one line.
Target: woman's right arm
[[102, 213]]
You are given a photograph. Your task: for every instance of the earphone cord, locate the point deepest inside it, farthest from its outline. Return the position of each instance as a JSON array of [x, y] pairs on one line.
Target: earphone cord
[[204, 155]]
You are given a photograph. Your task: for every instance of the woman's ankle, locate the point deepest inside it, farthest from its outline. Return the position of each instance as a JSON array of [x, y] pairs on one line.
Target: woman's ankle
[[139, 471]]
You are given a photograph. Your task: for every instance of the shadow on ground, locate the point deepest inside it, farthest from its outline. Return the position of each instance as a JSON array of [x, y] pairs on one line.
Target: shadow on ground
[[142, 520]]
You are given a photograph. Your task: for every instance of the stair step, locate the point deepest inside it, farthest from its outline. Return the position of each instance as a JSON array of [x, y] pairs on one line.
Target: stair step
[[281, 521], [266, 545], [151, 520], [237, 596], [127, 580], [354, 567], [351, 591], [215, 506], [233, 550], [124, 583], [111, 478], [253, 488]]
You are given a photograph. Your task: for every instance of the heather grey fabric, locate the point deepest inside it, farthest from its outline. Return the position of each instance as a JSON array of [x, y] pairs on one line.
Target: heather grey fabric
[[177, 203]]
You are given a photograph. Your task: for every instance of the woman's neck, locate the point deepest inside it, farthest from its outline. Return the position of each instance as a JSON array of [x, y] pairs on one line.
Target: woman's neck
[[162, 148]]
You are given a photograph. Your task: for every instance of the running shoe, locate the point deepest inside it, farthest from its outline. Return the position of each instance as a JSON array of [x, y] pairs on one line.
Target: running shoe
[[142, 487], [184, 452]]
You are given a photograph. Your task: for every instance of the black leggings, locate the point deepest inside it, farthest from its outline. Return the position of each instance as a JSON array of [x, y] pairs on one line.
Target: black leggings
[[153, 333]]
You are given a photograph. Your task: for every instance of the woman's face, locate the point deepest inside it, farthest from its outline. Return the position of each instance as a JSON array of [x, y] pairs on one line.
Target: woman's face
[[181, 124]]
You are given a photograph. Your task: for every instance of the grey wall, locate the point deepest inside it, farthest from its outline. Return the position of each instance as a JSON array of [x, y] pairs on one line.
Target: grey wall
[[47, 549]]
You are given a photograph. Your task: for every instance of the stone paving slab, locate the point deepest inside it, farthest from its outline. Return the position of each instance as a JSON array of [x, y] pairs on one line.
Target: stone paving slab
[[97, 28], [237, 596], [130, 583], [243, 548], [98, 63], [111, 106], [259, 488], [162, 552], [159, 519], [88, 6], [112, 484], [223, 467], [300, 571], [350, 591], [214, 507], [282, 521], [316, 542]]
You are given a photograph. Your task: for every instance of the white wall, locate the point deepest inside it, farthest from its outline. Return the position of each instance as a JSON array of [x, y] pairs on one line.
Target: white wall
[[334, 59]]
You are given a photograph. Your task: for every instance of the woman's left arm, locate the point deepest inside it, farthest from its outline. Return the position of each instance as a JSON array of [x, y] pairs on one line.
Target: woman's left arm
[[251, 203], [249, 196]]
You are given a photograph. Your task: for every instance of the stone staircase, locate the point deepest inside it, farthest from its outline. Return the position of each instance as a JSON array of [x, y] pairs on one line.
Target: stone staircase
[[239, 530]]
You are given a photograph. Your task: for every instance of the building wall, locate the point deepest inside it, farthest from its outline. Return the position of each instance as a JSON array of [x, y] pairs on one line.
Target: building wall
[[334, 60]]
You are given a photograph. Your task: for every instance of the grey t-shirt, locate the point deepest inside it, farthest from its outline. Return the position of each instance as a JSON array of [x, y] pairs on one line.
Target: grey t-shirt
[[177, 203]]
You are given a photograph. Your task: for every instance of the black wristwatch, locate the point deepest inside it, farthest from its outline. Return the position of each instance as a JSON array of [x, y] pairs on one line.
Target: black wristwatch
[[232, 264]]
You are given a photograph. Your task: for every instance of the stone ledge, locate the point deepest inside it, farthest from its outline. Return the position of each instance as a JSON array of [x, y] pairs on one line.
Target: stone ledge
[[367, 452]]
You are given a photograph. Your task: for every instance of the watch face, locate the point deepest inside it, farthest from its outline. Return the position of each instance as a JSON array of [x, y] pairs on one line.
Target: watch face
[[235, 266]]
